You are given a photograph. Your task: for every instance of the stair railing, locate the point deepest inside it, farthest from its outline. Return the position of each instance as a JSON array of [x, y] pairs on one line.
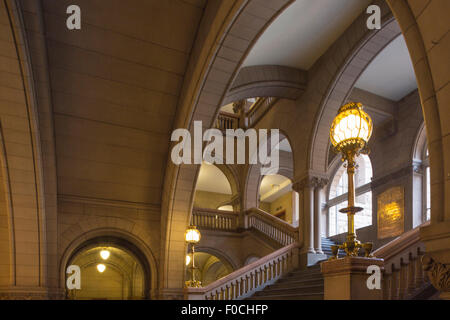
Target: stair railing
[[254, 277], [403, 271], [214, 219], [276, 229], [226, 121], [259, 109]]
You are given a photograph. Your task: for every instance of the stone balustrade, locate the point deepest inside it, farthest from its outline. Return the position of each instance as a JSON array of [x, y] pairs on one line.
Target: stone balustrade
[[259, 109], [278, 230], [403, 271], [214, 219], [254, 277], [226, 121]]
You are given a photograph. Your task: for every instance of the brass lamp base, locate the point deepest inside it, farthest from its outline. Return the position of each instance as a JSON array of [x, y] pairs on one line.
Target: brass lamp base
[[193, 284], [352, 246]]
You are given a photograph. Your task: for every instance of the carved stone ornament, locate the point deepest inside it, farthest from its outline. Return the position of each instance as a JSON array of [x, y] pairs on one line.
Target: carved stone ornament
[[309, 182], [438, 273]]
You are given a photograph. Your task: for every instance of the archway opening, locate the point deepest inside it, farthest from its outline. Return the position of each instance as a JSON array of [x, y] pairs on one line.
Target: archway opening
[[109, 271], [276, 197], [213, 190], [208, 267]]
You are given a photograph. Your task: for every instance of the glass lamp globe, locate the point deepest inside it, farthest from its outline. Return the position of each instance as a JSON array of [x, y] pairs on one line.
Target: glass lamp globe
[[192, 235], [188, 259], [101, 268], [105, 254], [352, 128]]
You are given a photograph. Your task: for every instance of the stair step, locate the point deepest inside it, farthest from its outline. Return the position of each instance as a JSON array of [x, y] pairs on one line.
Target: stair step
[[305, 272], [294, 290], [309, 296], [298, 282]]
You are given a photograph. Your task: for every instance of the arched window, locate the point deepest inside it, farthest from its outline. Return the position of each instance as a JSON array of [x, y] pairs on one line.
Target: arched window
[[427, 184], [421, 181], [337, 197]]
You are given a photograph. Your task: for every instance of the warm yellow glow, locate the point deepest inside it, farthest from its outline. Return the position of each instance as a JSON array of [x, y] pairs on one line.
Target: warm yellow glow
[[101, 268], [393, 211], [192, 235], [104, 254], [352, 124], [188, 259]]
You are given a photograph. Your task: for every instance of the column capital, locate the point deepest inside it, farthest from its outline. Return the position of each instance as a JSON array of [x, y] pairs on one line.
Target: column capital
[[310, 182]]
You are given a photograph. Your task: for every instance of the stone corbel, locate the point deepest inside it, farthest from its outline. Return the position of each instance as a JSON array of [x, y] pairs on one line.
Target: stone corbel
[[439, 275]]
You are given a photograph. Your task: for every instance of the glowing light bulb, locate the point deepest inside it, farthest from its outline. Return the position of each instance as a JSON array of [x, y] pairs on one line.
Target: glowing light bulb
[[104, 254], [101, 268], [188, 259]]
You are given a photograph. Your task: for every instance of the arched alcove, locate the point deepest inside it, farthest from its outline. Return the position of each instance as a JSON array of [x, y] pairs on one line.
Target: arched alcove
[[125, 275], [209, 267], [254, 174], [214, 188]]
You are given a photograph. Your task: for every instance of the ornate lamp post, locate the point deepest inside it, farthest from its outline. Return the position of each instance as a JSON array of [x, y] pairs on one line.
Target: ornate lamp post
[[192, 237], [349, 134]]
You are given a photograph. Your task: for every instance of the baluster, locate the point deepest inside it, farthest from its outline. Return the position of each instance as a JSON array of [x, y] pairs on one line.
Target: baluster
[[247, 284], [233, 291], [278, 267], [238, 287], [419, 273], [258, 278], [289, 262], [387, 278], [411, 274], [265, 273], [403, 280], [395, 283]]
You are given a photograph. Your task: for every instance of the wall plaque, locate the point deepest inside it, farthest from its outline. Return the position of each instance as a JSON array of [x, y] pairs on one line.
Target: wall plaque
[[391, 213]]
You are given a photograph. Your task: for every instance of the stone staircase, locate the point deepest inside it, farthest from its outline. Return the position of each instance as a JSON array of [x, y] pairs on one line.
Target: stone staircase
[[298, 284], [326, 248]]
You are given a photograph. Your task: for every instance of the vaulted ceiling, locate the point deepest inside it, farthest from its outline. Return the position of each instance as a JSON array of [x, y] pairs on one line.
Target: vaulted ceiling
[[391, 73], [304, 31], [115, 86]]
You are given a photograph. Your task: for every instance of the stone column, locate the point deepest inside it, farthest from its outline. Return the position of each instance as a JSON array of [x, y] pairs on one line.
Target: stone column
[[308, 217], [308, 255], [295, 209], [319, 185], [346, 279]]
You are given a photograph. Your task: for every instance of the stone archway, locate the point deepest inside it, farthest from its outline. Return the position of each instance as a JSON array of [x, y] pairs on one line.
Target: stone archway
[[432, 83], [113, 236], [218, 54], [28, 198], [341, 87], [129, 271], [253, 177]]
